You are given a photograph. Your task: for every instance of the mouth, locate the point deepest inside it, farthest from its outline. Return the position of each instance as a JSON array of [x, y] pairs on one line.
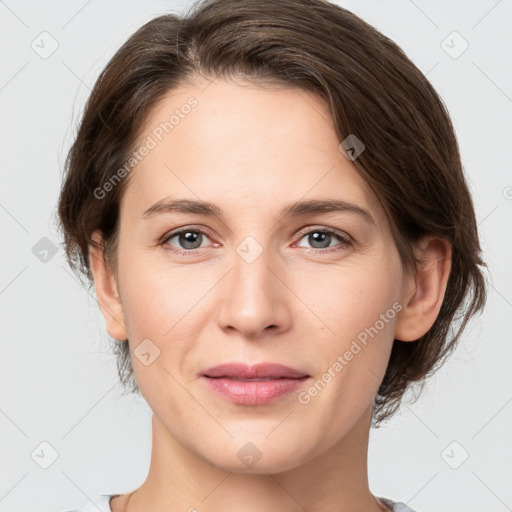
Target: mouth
[[244, 372], [256, 379], [253, 385]]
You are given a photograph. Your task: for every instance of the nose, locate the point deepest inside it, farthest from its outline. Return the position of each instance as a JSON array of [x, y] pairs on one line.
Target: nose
[[255, 301]]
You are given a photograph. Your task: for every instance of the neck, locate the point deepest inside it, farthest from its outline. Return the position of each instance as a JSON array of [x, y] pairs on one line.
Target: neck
[[335, 480]]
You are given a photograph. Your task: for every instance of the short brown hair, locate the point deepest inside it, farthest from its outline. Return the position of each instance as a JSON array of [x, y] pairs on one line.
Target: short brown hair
[[372, 90]]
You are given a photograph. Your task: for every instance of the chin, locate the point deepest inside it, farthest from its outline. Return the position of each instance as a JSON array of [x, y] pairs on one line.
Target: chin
[[256, 457]]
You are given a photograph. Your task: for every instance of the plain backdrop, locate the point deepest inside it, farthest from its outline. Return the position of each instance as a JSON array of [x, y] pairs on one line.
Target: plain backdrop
[[450, 451]]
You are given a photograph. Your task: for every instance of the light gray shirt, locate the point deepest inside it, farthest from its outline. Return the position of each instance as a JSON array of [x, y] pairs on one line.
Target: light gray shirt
[[102, 504]]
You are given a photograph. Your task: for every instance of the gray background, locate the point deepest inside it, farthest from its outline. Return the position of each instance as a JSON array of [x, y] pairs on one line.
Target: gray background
[[58, 382]]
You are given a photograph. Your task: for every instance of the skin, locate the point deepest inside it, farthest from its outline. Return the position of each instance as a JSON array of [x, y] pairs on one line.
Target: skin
[[251, 151]]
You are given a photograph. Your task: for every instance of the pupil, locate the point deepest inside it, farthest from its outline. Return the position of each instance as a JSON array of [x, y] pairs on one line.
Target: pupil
[[317, 237], [189, 238]]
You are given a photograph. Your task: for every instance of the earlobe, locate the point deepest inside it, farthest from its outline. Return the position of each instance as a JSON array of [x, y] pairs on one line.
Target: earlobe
[[423, 292], [107, 294]]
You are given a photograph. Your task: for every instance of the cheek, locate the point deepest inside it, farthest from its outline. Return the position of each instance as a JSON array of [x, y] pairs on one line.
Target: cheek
[[356, 307], [165, 304], [345, 300], [158, 305], [147, 307], [155, 295]]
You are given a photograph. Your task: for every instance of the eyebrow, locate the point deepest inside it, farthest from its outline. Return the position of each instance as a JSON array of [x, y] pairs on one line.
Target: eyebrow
[[299, 208]]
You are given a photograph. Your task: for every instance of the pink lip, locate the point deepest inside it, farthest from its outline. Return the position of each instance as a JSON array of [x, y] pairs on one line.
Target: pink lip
[[270, 381]]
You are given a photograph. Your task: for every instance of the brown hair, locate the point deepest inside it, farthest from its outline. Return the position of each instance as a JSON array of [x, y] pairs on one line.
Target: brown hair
[[372, 90]]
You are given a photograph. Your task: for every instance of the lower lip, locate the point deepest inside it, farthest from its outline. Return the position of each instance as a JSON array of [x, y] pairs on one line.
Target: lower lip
[[252, 392]]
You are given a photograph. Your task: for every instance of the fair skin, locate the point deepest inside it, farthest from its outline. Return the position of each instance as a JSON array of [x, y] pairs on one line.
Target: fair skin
[[252, 151]]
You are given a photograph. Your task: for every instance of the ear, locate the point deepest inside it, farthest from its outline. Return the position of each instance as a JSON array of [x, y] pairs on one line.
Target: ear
[[423, 291], [107, 290]]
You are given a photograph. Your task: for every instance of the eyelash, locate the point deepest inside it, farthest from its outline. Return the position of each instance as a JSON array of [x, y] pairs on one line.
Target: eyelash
[[346, 241]]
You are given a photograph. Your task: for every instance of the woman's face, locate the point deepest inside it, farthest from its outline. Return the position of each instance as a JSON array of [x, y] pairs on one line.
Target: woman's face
[[257, 279]]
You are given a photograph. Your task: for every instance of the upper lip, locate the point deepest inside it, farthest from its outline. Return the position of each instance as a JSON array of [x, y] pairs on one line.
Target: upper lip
[[262, 370]]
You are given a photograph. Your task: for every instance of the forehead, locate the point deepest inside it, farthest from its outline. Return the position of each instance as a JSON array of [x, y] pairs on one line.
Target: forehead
[[241, 144]]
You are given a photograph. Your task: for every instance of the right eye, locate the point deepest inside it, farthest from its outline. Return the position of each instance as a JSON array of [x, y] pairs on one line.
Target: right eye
[[188, 239]]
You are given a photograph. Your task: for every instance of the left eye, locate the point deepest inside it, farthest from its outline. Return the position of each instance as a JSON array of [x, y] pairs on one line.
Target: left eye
[[322, 238]]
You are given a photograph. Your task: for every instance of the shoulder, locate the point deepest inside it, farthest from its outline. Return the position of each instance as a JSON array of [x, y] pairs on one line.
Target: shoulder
[[396, 506], [100, 504]]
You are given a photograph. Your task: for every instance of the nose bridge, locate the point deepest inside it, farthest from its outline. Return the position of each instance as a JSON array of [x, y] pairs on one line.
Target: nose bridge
[[252, 278], [254, 299], [251, 266]]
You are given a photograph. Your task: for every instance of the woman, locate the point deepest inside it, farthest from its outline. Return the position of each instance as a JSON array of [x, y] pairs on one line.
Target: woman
[[269, 200]]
